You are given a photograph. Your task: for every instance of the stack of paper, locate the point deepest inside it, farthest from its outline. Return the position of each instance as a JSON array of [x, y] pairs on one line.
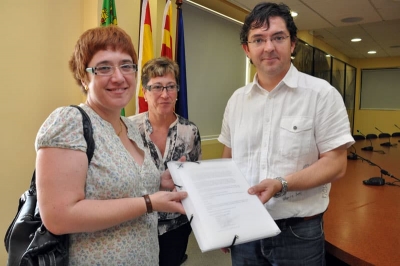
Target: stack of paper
[[218, 205]]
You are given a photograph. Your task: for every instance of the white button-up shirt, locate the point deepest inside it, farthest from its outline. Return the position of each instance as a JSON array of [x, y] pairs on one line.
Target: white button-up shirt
[[283, 131]]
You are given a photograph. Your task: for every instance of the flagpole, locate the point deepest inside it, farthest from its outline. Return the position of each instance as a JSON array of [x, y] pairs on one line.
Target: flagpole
[[181, 105], [178, 6]]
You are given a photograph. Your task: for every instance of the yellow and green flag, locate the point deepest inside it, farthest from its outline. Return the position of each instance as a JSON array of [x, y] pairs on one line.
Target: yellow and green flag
[[109, 17], [108, 13]]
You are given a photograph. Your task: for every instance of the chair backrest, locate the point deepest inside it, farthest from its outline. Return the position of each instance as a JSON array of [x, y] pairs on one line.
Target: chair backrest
[[384, 135], [358, 137], [396, 134], [371, 136]]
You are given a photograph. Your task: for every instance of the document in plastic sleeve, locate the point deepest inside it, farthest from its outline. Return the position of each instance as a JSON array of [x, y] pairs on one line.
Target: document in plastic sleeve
[[220, 210]]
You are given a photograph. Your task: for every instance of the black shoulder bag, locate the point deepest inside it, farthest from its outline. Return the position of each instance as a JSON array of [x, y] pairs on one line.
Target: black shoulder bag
[[27, 240]]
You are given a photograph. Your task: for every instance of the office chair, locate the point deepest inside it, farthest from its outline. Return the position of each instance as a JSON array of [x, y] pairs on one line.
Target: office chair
[[396, 134], [371, 136], [358, 137], [384, 135]]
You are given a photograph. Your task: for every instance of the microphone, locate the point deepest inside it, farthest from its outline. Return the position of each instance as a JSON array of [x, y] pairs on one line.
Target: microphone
[[353, 155], [398, 128], [374, 181], [385, 144], [367, 148]]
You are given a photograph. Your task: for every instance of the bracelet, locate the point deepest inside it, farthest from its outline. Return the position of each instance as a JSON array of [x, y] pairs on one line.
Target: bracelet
[[148, 203]]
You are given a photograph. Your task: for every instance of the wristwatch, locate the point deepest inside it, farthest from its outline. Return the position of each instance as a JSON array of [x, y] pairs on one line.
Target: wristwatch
[[284, 187]]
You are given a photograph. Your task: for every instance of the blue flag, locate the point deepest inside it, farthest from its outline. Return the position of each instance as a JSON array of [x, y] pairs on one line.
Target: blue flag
[[181, 106]]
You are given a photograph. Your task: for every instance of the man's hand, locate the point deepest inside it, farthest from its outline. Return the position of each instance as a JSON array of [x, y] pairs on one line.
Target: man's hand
[[266, 189]]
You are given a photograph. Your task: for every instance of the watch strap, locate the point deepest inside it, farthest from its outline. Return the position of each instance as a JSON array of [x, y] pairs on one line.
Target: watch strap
[[284, 187]]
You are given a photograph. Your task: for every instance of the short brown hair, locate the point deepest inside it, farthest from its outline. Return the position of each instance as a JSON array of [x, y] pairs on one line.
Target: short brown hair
[[159, 67], [94, 40]]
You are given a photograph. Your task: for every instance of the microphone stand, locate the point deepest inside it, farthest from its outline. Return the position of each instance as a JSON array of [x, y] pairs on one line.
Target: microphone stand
[[367, 148], [373, 181], [385, 144], [398, 128], [353, 155]]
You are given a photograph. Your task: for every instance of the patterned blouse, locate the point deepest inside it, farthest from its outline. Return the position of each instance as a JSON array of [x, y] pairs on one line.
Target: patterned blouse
[[183, 140], [112, 174]]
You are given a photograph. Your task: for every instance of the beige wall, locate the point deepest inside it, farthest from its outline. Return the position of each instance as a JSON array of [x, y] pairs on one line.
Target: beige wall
[[37, 41]]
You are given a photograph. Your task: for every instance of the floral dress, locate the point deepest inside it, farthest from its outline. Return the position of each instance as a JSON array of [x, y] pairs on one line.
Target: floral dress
[[112, 174]]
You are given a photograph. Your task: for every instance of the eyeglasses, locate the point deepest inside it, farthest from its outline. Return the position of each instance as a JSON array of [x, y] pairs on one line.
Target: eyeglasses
[[276, 40], [109, 70], [157, 88]]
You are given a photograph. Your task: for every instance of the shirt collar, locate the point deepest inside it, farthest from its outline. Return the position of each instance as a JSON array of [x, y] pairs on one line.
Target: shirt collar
[[290, 80], [149, 128]]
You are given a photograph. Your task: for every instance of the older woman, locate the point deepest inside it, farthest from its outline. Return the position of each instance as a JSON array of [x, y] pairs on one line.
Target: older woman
[[102, 206], [168, 137]]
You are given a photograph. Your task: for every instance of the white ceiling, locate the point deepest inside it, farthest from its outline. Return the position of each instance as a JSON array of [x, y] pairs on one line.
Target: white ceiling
[[379, 28]]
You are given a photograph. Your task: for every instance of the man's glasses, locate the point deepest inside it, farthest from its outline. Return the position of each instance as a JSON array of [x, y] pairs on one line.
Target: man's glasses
[[276, 40], [109, 70], [157, 88]]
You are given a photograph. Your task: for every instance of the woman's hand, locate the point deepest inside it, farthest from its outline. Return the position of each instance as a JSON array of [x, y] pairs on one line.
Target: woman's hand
[[164, 201], [226, 250]]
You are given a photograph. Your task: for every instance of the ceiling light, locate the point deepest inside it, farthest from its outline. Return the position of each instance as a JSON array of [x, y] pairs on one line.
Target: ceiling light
[[213, 12], [351, 19], [294, 13], [372, 52], [356, 40]]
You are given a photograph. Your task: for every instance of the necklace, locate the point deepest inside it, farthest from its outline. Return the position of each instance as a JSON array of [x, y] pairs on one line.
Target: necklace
[[120, 128]]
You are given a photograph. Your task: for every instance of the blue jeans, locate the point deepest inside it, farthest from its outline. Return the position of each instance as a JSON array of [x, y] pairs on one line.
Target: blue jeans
[[299, 244]]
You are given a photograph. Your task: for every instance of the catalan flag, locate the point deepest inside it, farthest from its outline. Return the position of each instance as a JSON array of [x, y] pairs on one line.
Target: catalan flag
[[145, 53], [181, 106], [166, 47]]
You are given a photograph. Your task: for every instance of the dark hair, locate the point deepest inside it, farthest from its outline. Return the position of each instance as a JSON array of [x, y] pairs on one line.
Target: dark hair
[[260, 15], [94, 40], [159, 67]]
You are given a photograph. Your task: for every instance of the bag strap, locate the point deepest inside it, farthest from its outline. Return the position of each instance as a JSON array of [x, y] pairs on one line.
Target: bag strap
[[87, 134]]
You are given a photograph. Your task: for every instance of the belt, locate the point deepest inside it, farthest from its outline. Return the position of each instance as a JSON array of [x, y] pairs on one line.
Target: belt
[[283, 223]]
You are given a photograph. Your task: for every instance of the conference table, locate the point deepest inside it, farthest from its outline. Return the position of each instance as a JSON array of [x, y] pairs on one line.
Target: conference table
[[362, 223]]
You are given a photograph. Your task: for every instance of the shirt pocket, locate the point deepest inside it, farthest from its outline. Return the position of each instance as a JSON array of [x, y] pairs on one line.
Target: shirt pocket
[[295, 136]]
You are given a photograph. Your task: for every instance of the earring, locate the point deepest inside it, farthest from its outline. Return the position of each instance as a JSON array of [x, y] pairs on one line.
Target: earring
[[86, 88], [145, 100]]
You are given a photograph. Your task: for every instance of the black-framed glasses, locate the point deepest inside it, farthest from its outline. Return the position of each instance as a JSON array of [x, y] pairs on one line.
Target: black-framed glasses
[[109, 70], [276, 40], [157, 88]]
